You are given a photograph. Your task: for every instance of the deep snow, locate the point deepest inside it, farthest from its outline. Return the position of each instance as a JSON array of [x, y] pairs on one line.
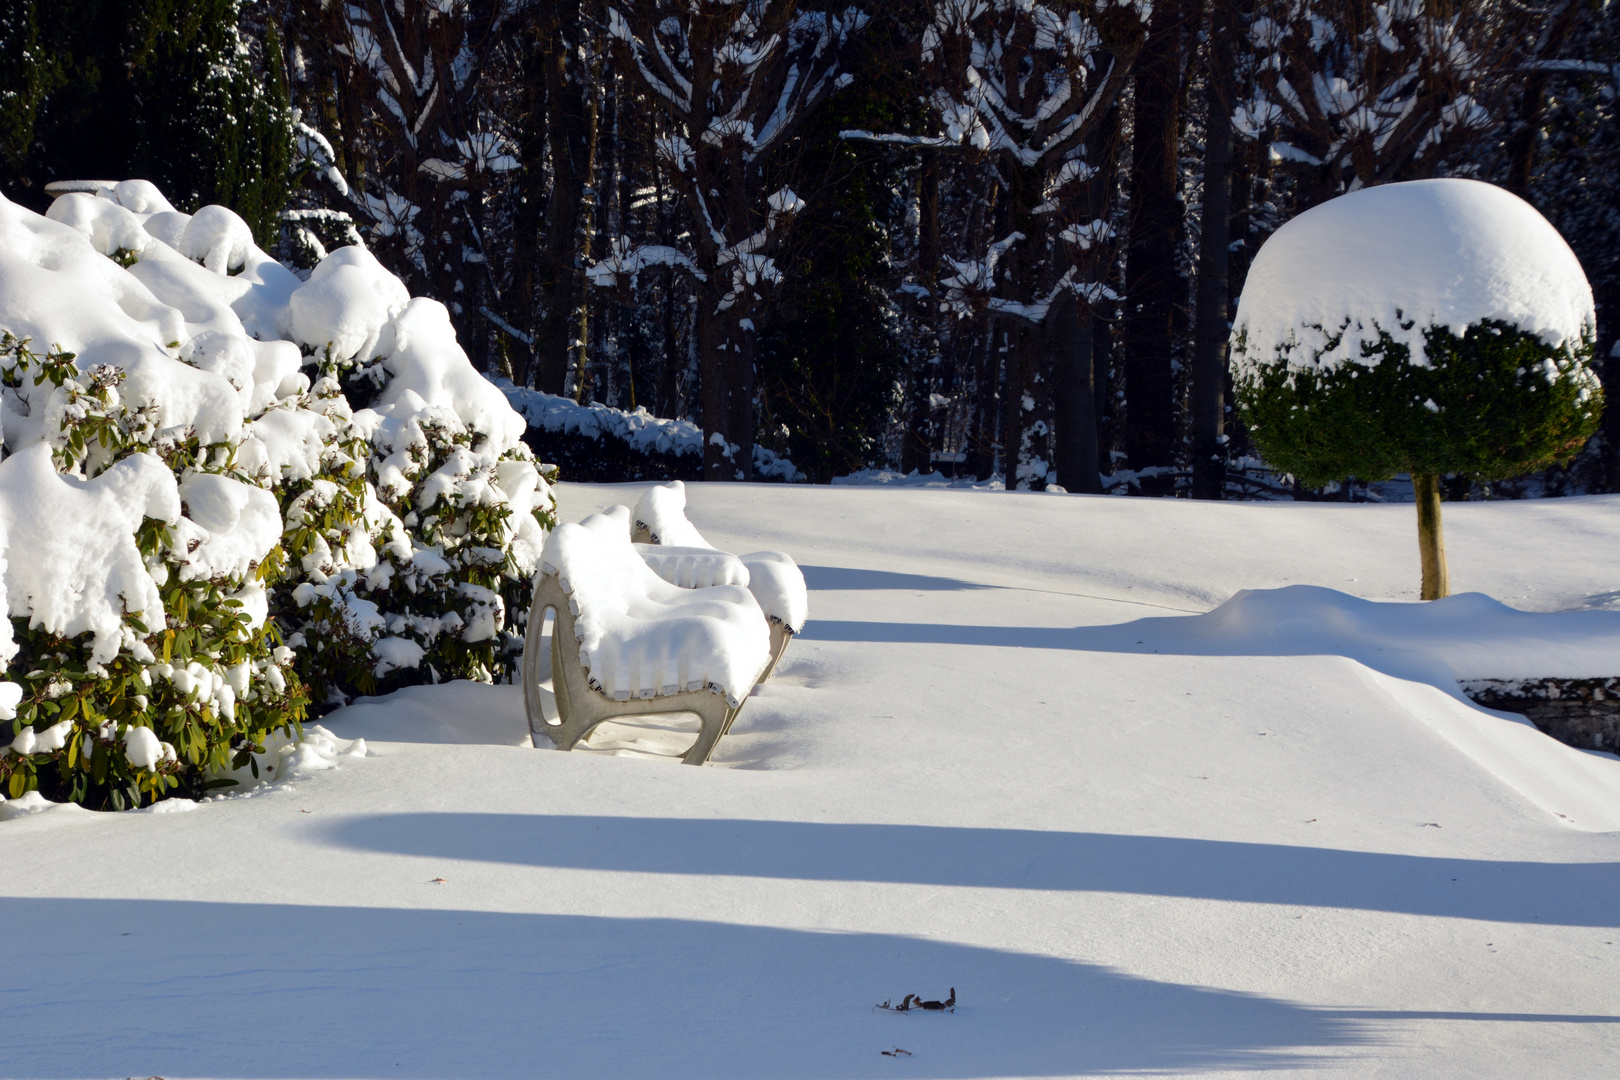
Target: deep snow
[[1014, 752]]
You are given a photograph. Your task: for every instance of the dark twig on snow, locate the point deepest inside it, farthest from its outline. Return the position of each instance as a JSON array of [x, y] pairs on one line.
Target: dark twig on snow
[[915, 1001]]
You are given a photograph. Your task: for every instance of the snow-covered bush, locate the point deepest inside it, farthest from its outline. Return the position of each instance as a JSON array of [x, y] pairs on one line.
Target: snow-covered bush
[[186, 481], [1433, 327], [596, 443]]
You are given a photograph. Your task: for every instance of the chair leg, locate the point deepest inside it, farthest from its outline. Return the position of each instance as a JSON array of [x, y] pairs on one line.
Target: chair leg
[[716, 719], [533, 646], [780, 637]]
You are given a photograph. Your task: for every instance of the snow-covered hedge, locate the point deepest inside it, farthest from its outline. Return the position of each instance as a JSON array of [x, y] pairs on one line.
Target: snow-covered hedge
[[197, 440], [598, 444]]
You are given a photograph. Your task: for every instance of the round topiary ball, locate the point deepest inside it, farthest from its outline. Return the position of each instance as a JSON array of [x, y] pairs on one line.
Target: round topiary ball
[[1432, 327]]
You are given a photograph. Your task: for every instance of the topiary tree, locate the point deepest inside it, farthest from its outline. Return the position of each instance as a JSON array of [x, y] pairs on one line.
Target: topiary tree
[[1433, 327]]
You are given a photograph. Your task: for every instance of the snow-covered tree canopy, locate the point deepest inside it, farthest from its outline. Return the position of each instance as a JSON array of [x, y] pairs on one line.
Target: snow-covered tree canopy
[[1429, 327], [1025, 83], [1363, 93], [1398, 259]]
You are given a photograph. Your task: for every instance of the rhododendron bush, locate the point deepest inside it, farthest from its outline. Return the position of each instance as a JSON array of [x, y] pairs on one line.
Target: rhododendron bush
[[230, 496]]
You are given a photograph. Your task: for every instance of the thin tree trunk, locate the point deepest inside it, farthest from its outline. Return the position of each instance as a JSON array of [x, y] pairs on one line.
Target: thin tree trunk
[[916, 452], [1210, 328], [567, 130], [1150, 270], [1075, 407], [1431, 538], [578, 346]]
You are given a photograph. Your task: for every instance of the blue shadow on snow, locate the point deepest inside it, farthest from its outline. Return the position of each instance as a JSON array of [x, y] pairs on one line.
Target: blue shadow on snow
[[1563, 894], [179, 988], [839, 578], [114, 987]]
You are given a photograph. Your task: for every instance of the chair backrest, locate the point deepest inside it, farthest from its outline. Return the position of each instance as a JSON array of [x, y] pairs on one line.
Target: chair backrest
[[772, 576], [661, 510]]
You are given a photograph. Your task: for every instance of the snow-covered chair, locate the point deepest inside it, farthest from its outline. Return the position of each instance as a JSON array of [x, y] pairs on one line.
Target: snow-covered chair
[[675, 549], [625, 642]]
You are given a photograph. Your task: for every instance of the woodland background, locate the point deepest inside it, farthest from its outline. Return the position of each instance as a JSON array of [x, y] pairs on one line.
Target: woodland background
[[988, 237]]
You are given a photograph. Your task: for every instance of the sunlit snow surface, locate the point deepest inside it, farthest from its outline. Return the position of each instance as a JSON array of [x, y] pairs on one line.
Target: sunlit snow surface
[[1032, 747]]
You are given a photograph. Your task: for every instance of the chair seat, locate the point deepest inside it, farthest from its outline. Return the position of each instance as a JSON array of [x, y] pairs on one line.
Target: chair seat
[[639, 635]]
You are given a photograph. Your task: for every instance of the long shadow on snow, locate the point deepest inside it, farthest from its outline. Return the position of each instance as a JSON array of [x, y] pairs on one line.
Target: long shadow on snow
[[849, 578], [1565, 894], [122, 987]]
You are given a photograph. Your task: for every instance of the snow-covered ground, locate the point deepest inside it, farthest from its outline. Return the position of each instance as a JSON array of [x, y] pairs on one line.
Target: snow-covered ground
[[1009, 755]]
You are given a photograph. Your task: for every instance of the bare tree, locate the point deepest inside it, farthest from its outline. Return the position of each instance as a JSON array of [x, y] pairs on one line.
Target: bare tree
[[1022, 84], [1351, 93], [735, 79]]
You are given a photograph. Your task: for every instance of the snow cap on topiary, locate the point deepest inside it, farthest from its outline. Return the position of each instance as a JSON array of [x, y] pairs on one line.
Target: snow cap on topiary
[[1401, 258]]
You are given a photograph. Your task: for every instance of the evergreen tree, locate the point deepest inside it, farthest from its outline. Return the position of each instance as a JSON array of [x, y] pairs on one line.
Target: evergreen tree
[[164, 90], [1361, 351]]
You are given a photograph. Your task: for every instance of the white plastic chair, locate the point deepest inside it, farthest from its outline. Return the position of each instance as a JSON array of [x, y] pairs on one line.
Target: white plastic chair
[[625, 642]]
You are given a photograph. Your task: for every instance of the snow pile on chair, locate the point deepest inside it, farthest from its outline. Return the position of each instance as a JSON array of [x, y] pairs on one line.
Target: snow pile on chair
[[773, 577]]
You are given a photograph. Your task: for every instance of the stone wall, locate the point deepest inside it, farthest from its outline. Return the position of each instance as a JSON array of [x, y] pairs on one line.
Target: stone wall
[[1581, 712]]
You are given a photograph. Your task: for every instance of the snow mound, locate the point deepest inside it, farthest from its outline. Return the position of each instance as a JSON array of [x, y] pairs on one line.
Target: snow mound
[[430, 368], [345, 305], [87, 585], [32, 802], [1400, 258], [1442, 642], [640, 636], [286, 757]]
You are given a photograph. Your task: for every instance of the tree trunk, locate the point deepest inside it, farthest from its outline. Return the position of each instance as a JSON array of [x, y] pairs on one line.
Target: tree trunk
[[740, 394], [916, 452], [1150, 267], [1521, 145], [1431, 539], [1210, 329], [1075, 407], [985, 364], [568, 132]]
